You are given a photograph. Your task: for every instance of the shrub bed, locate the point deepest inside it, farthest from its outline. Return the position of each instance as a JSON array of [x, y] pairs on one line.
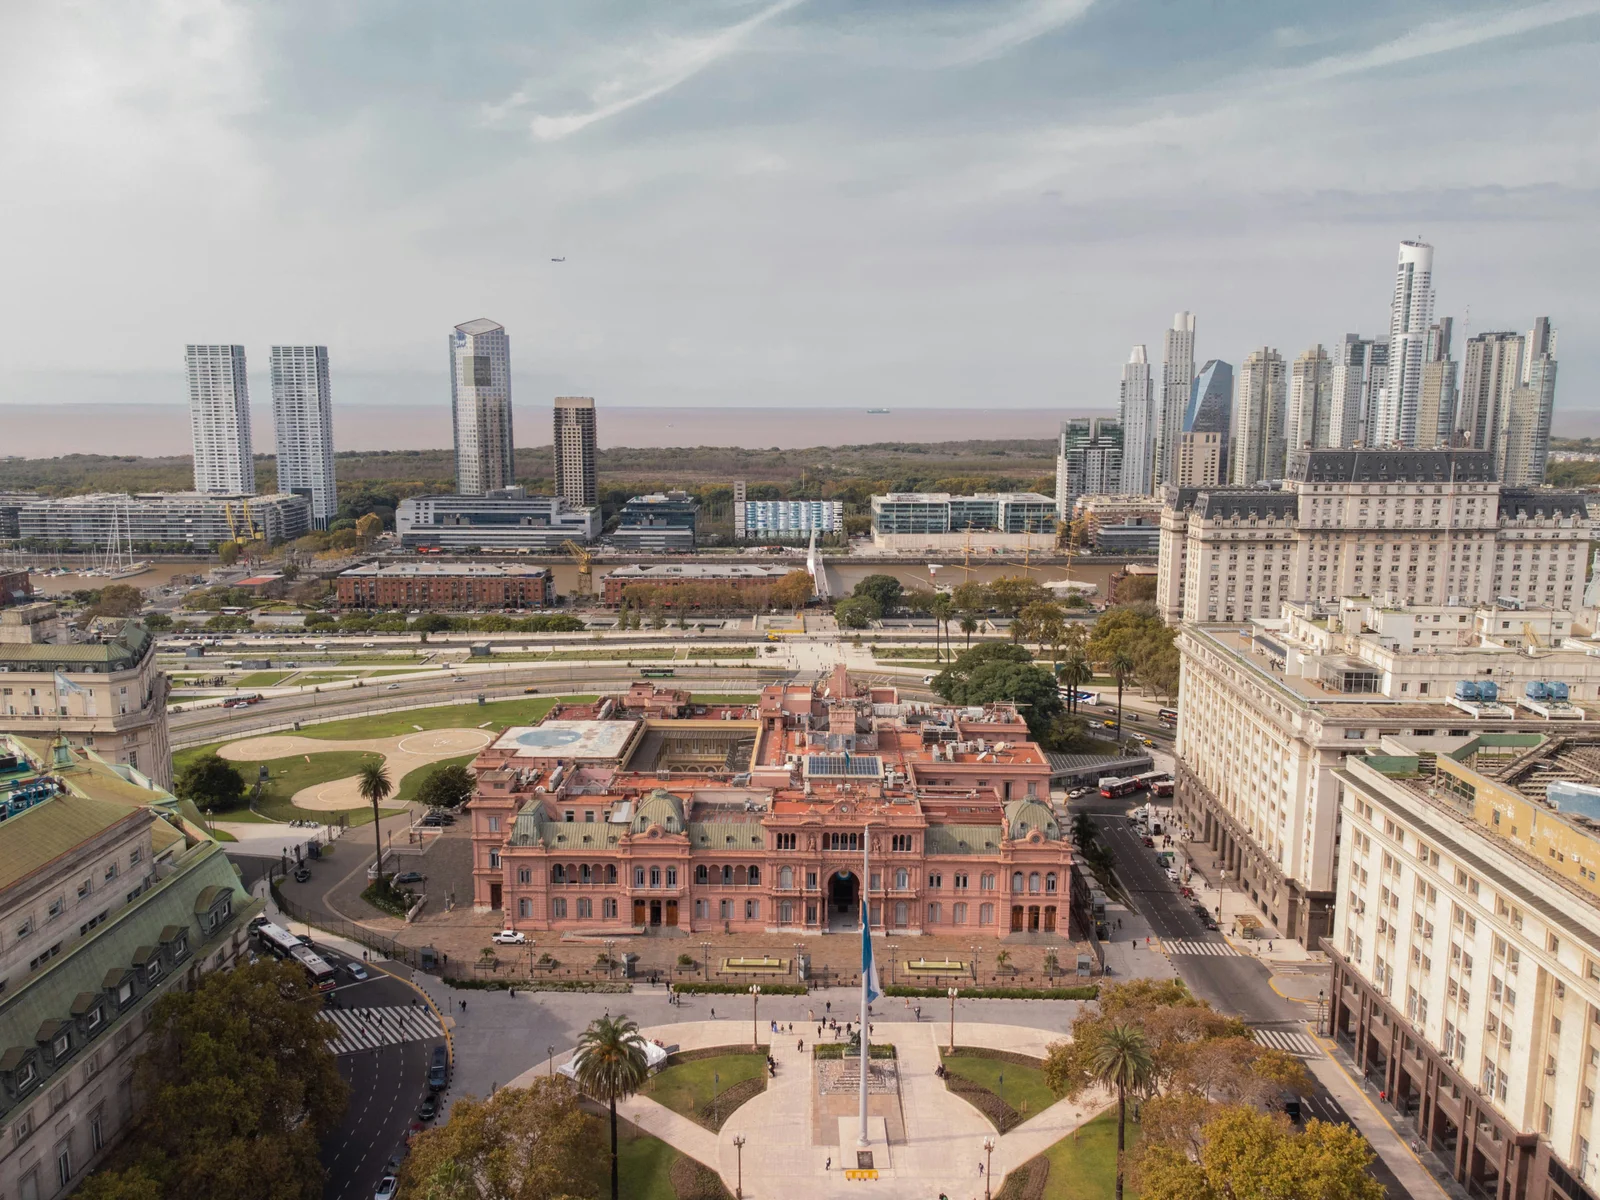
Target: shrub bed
[[1027, 1182], [715, 1113], [540, 985], [1084, 992], [385, 897], [693, 1180], [1005, 1056], [739, 989], [827, 1050], [1001, 1115], [689, 1056]]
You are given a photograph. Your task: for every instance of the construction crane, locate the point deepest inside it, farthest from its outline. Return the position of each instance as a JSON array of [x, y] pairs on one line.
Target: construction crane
[[585, 566], [251, 529], [233, 525]]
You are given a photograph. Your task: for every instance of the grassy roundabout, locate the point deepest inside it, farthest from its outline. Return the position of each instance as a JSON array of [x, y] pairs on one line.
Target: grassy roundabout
[[686, 1084], [1081, 1166], [497, 717], [296, 771], [975, 1076]]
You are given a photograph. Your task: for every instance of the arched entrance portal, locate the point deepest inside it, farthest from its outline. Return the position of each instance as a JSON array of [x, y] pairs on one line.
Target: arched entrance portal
[[844, 894]]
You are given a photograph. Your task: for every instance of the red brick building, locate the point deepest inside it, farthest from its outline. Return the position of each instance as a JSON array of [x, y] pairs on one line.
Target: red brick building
[[445, 586], [736, 818]]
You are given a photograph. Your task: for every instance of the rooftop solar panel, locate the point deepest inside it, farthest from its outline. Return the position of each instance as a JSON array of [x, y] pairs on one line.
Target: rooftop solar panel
[[851, 765]]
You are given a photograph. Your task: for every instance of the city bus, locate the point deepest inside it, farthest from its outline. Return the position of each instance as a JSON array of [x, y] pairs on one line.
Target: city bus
[[656, 672], [282, 944], [1112, 786], [1167, 716]]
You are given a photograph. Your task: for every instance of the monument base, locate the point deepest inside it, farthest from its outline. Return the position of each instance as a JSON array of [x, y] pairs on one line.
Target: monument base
[[877, 1141]]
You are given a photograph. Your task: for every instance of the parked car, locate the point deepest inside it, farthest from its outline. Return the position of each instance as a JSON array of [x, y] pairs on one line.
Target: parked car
[[438, 1072], [431, 819], [409, 877], [1149, 843], [387, 1186], [510, 937], [302, 875], [429, 1108]]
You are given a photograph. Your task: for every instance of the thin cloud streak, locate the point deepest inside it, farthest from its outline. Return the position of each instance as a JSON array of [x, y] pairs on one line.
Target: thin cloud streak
[[1034, 20], [681, 61]]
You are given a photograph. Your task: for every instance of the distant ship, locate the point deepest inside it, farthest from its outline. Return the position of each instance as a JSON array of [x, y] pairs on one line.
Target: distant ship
[[874, 411]]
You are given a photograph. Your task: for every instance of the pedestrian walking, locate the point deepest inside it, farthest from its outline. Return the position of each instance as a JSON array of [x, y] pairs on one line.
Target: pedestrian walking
[[713, 1014], [980, 1170], [828, 1166], [800, 1046], [918, 1011], [829, 1008]]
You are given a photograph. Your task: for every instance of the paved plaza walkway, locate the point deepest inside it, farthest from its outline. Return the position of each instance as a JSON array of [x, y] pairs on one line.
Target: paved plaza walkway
[[785, 1156]]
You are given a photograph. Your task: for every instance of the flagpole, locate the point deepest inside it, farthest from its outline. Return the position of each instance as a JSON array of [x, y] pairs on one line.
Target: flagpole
[[866, 966]]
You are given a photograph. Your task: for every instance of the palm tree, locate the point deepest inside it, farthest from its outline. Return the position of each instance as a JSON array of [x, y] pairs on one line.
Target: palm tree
[[611, 1065], [969, 626], [1122, 1061], [1075, 672], [943, 608], [374, 786], [1084, 832], [1121, 666]]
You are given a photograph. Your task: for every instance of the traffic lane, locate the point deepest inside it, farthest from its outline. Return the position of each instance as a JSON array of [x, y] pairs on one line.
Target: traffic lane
[[1145, 880]]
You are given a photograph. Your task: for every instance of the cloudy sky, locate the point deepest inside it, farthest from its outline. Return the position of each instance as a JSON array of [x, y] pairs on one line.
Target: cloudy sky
[[904, 202]]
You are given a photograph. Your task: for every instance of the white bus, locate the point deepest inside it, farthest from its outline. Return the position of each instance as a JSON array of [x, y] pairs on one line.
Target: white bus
[[283, 944]]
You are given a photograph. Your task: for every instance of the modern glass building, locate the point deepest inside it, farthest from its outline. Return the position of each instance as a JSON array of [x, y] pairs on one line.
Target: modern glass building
[[940, 512], [302, 415], [480, 406]]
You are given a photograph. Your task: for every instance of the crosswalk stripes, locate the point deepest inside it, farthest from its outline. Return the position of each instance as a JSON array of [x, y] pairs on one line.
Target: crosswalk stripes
[[368, 1028], [1185, 946], [1301, 1045]]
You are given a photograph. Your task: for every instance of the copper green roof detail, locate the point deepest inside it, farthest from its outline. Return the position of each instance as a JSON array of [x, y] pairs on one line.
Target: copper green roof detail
[[121, 652], [661, 808], [1024, 816], [34, 839], [961, 839], [726, 835]]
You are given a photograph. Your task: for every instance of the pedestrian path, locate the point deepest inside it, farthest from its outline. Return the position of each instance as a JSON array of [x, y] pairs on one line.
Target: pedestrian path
[[1186, 946], [1301, 1045], [368, 1028]]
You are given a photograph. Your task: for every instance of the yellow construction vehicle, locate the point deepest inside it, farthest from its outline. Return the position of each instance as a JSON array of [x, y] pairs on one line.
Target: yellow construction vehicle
[[585, 566]]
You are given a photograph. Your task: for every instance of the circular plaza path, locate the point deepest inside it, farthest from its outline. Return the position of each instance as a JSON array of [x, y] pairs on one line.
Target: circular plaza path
[[402, 755]]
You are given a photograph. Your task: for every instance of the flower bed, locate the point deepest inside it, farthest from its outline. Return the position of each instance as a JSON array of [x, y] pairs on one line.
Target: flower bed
[[739, 989], [1084, 992]]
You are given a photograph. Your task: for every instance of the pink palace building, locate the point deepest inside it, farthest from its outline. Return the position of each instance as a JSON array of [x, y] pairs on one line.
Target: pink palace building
[[646, 812]]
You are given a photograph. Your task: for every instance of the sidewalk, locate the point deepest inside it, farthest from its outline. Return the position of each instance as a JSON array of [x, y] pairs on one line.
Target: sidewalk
[[1335, 1072], [1133, 951]]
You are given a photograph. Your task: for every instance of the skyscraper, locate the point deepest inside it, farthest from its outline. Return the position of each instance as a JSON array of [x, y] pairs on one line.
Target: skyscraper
[[1207, 423], [1259, 409], [1138, 426], [1177, 376], [480, 407], [1088, 460], [1410, 315], [1436, 408], [1360, 368], [302, 417], [1310, 400], [1525, 441], [1491, 371], [575, 451], [219, 420]]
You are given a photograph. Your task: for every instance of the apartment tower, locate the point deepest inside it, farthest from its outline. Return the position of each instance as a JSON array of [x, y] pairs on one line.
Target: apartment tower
[[1436, 412], [1310, 399], [574, 443], [1088, 460], [219, 420], [1138, 426], [1410, 315], [1491, 371], [1360, 367], [302, 416], [1177, 376], [1525, 441], [1260, 408], [1207, 424], [480, 407]]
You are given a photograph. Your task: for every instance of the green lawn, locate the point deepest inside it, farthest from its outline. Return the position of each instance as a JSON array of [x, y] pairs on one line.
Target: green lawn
[[687, 1087], [1024, 1088], [1084, 1166], [264, 678], [288, 776], [407, 791], [327, 677], [468, 714], [644, 1164]]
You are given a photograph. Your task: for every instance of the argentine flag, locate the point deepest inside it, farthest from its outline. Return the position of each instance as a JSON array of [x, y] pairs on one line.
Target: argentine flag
[[869, 969]]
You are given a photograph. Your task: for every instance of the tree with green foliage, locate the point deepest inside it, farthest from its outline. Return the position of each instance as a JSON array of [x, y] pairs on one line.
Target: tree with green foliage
[[1010, 594], [1121, 667], [1073, 673], [969, 626], [238, 1088], [446, 786], [116, 600], [431, 623], [856, 612], [611, 1066], [372, 782], [1121, 1061], [1002, 671], [210, 782], [1246, 1154], [157, 622], [519, 1144], [885, 591], [942, 610]]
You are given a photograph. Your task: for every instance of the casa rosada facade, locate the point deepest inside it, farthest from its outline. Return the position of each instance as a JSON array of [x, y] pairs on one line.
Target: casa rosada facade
[[645, 811]]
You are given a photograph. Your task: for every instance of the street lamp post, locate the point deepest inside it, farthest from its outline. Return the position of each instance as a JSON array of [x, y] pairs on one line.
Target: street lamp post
[[953, 993], [797, 962], [1320, 998], [611, 957], [988, 1165], [716, 1100], [705, 961], [551, 1051], [755, 999], [738, 1146]]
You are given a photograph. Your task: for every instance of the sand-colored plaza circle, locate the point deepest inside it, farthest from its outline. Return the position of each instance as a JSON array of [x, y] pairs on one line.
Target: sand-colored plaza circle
[[402, 755]]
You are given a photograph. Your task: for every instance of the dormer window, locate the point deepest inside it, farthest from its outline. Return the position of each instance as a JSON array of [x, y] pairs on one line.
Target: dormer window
[[62, 1046]]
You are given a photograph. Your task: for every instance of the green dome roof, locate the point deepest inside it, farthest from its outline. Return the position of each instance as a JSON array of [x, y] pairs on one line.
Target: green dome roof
[[661, 808], [1024, 816]]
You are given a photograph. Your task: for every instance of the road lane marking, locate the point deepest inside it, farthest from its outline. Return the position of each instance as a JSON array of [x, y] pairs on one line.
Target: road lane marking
[[375, 1027], [1300, 1045], [1187, 946]]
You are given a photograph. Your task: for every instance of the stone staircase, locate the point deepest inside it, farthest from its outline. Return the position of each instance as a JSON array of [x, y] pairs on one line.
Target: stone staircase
[[843, 1077]]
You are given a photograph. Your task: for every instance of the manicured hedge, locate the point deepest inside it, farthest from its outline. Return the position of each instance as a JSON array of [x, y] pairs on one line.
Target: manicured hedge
[[739, 989], [830, 1050], [539, 985], [1005, 1056], [1086, 992]]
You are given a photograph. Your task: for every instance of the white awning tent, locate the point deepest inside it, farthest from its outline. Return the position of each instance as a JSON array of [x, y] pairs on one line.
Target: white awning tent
[[654, 1056]]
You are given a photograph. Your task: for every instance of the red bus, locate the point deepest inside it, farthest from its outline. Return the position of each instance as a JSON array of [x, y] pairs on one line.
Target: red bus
[[1111, 786]]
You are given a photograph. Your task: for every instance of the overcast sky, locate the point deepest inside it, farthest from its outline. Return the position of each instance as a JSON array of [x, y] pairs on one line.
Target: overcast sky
[[808, 201]]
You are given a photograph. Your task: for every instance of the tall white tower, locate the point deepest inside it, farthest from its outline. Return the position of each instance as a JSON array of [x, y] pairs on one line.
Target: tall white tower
[[1138, 426], [480, 406], [302, 416], [219, 420], [1410, 314], [1177, 377]]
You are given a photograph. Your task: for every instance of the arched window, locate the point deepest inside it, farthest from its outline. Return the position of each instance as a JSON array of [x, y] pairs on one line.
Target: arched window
[[584, 874], [572, 872], [524, 907], [958, 913], [611, 872], [700, 874], [727, 873], [985, 914], [786, 912], [902, 912], [1016, 881], [741, 875], [1033, 882], [1050, 883], [902, 879], [755, 876], [558, 873], [935, 914]]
